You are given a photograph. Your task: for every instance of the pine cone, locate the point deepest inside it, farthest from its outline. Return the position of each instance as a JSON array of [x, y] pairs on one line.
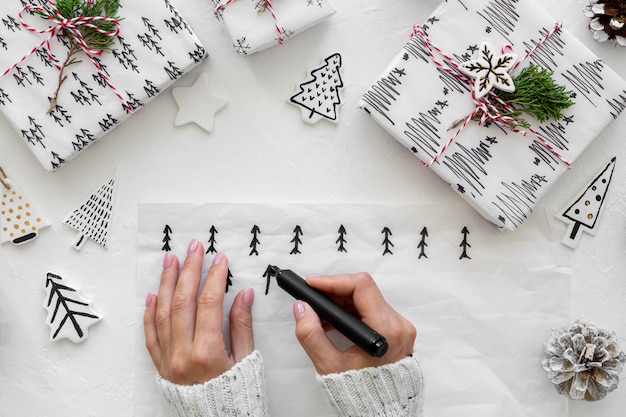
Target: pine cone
[[583, 361], [608, 20]]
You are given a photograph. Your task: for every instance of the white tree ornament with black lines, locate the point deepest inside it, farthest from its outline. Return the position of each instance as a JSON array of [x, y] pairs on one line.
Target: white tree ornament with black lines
[[69, 314], [92, 217], [583, 212], [319, 97]]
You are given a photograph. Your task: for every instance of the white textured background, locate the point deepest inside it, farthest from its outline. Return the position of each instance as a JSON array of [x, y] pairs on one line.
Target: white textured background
[[260, 151]]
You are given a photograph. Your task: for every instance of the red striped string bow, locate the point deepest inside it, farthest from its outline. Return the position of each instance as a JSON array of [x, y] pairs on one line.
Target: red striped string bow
[[263, 4], [484, 106], [70, 27]]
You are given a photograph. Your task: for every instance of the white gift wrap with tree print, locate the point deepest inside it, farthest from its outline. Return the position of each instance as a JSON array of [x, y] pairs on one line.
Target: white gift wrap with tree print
[[155, 47], [252, 31], [500, 173]]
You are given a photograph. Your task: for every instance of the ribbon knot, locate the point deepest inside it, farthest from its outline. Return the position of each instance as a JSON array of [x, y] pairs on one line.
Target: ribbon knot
[[262, 6], [484, 105], [72, 27]]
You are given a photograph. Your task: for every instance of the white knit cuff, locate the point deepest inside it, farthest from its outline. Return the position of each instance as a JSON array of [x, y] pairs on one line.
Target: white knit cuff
[[385, 391], [240, 391]]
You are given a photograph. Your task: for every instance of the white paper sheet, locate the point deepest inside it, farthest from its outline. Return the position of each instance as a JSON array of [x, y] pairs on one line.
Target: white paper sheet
[[482, 320]]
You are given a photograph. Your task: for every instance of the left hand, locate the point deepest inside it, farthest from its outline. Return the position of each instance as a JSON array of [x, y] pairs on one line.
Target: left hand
[[184, 332]]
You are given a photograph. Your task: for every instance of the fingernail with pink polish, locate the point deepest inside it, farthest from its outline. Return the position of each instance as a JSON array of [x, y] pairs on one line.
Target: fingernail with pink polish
[[298, 309], [193, 245], [248, 297], [150, 299], [168, 259], [218, 258]]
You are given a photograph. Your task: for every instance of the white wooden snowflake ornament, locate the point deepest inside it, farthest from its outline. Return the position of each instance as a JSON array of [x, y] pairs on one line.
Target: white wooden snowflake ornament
[[196, 104], [490, 70]]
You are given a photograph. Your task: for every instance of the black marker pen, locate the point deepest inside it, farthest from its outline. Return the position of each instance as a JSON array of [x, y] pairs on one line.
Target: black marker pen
[[354, 329]]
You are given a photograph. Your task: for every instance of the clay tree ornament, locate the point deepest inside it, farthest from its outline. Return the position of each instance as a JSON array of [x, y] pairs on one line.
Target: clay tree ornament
[[319, 97], [69, 314], [20, 222], [583, 212], [583, 361], [92, 217]]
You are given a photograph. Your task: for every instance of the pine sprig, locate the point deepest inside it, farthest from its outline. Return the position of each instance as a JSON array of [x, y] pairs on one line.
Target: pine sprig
[[93, 38], [537, 94]]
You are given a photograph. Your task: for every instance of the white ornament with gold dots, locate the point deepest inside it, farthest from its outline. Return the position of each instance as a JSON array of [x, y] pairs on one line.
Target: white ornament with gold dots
[[20, 223]]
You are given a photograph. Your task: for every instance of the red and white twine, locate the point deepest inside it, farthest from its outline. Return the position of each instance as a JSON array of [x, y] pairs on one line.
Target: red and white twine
[[484, 106], [222, 5], [72, 27]]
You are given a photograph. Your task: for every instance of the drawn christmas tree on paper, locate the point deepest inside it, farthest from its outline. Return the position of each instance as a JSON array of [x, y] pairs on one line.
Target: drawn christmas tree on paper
[[91, 218], [297, 234], [69, 315], [319, 97], [465, 244], [585, 210], [20, 222], [167, 231]]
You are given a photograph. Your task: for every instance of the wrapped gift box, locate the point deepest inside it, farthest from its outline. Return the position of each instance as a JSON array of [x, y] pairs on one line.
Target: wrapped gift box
[[252, 31], [502, 174], [155, 47]]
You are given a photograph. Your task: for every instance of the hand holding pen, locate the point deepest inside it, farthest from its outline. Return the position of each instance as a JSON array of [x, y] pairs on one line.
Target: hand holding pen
[[183, 323], [359, 294]]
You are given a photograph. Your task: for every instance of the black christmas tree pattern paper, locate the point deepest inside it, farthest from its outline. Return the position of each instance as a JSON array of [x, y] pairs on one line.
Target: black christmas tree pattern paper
[[93, 216], [155, 46], [69, 314], [501, 172], [21, 221], [583, 212], [319, 96], [255, 25]]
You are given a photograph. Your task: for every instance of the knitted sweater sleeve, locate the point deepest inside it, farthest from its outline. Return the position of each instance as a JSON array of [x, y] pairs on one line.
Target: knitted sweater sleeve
[[240, 391], [394, 390]]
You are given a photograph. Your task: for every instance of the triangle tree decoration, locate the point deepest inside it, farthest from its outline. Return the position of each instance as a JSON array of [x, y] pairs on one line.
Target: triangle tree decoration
[[583, 212], [21, 223], [319, 97], [91, 218], [69, 314]]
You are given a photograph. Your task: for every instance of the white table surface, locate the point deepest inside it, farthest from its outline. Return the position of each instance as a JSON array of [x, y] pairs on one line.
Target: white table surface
[[259, 151]]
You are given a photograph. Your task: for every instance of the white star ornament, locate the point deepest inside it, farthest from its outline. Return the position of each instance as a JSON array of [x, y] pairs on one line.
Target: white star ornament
[[490, 71], [196, 104]]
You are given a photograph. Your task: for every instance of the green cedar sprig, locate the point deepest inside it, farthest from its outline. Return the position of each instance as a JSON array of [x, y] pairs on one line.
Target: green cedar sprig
[[537, 94], [92, 38]]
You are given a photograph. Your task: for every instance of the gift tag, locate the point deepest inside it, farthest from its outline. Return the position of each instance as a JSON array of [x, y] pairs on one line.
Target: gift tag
[[320, 96], [20, 221], [583, 212]]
